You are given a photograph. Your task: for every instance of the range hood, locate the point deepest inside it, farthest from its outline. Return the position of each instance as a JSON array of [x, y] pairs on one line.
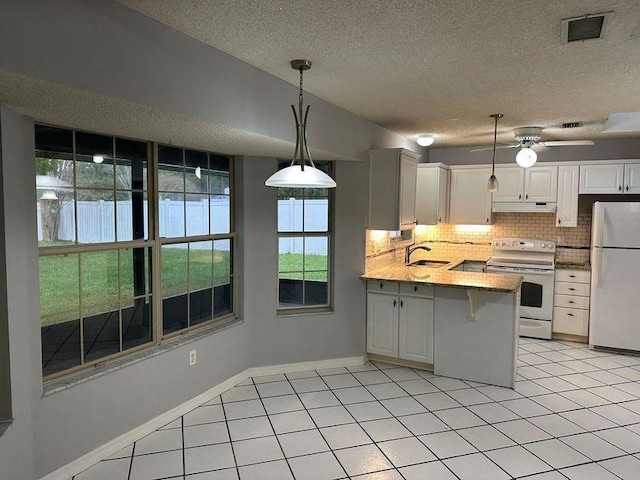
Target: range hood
[[524, 207]]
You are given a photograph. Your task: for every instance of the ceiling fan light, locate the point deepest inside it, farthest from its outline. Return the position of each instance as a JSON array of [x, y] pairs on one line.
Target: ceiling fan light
[[492, 184], [526, 157], [425, 140], [294, 176]]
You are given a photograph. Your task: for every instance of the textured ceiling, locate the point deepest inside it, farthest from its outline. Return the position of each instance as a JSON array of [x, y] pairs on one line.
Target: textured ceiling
[[440, 66]]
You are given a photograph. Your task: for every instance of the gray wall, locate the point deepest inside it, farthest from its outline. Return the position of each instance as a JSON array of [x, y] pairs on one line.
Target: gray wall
[[287, 339], [17, 452], [602, 150]]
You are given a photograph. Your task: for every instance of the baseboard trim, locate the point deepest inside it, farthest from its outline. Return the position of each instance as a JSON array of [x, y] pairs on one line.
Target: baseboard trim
[[75, 467], [304, 366]]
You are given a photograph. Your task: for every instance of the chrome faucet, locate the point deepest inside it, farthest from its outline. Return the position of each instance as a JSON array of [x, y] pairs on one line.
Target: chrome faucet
[[409, 251]]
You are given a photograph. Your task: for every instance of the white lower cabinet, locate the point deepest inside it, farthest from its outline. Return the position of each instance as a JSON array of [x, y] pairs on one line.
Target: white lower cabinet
[[571, 302], [400, 320], [382, 324]]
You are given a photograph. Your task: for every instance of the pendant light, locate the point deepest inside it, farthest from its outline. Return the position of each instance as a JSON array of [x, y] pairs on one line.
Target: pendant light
[[492, 184], [301, 173]]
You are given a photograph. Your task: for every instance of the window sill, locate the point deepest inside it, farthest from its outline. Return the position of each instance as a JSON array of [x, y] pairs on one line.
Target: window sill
[[60, 384], [301, 312]]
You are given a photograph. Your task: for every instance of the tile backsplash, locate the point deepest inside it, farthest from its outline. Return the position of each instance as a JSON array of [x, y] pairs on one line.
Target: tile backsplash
[[474, 241]]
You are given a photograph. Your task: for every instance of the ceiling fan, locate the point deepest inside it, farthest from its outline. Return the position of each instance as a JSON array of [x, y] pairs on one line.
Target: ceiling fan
[[529, 137]]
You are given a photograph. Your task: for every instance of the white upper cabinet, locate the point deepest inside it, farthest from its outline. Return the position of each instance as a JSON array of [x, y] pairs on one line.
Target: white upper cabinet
[[432, 194], [632, 178], [610, 178], [470, 201], [536, 184], [601, 179], [510, 184], [392, 189], [567, 212], [541, 184]]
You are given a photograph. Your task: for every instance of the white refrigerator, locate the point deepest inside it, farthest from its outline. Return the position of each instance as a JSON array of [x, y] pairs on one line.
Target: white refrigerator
[[615, 278]]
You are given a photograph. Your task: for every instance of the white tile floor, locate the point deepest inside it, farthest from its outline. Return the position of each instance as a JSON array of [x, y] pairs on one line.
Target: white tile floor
[[574, 414]]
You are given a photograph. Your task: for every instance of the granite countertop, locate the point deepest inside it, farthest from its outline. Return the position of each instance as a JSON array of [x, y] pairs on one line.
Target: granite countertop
[[446, 278], [586, 266]]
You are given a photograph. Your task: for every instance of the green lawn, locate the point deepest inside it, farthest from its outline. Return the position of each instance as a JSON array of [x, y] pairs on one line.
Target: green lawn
[[106, 279], [292, 266]]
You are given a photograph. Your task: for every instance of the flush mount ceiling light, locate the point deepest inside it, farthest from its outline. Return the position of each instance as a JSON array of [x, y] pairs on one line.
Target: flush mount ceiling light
[[98, 159], [492, 184], [301, 173], [425, 140]]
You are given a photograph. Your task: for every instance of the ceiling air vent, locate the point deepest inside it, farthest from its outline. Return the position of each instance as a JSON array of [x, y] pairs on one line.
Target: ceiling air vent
[[587, 27]]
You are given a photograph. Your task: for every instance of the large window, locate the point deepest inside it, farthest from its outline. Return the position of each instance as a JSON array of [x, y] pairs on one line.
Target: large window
[[304, 246], [103, 258]]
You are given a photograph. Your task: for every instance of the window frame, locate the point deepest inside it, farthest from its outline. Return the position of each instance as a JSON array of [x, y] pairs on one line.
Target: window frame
[[153, 245], [328, 234]]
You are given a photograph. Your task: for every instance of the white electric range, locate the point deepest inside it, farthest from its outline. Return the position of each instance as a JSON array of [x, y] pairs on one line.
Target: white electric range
[[535, 261]]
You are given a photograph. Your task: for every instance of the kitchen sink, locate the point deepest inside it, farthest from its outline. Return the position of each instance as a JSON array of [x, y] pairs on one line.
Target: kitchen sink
[[429, 263]]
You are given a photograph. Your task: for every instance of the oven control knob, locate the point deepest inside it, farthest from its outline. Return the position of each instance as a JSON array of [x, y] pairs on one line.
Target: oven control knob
[[550, 245], [543, 245]]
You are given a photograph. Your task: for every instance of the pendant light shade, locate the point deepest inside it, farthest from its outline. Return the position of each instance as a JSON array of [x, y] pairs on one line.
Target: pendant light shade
[[295, 176], [301, 173], [492, 184], [526, 157]]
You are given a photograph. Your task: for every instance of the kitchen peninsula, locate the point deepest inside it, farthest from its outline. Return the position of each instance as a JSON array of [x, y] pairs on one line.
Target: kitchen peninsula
[[460, 324]]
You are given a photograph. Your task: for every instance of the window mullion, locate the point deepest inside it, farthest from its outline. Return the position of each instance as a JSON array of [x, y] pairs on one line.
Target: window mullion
[[153, 200]]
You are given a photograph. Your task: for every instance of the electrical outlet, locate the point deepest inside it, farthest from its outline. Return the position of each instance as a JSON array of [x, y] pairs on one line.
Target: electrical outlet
[[193, 359]]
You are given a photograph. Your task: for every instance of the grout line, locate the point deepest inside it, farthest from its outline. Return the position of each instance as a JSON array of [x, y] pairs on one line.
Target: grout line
[[226, 423]]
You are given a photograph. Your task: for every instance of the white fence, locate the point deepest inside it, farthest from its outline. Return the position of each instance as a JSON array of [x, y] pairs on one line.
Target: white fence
[[97, 221]]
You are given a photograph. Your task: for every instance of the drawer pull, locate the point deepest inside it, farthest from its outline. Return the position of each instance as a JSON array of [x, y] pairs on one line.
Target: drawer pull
[[569, 314], [571, 301], [572, 276], [572, 289]]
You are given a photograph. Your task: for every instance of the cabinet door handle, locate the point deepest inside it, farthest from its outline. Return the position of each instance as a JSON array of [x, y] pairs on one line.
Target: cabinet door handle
[[520, 197], [627, 188], [619, 188], [380, 285], [415, 288], [559, 221], [439, 219], [394, 302], [487, 219], [526, 197], [401, 303]]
